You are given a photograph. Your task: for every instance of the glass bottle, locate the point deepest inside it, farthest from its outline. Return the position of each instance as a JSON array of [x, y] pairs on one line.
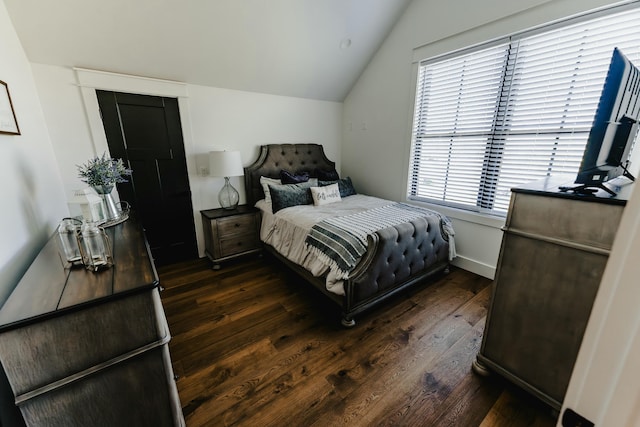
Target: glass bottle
[[68, 242], [95, 247]]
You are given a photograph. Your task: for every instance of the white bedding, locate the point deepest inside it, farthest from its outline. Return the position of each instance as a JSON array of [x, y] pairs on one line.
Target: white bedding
[[287, 230]]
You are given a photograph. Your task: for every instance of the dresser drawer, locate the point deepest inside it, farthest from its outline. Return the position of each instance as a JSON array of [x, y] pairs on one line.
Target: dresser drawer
[[239, 244], [582, 222], [237, 224], [42, 353]]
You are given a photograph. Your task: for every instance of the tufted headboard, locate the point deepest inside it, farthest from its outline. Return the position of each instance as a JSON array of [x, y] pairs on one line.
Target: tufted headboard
[[275, 157]]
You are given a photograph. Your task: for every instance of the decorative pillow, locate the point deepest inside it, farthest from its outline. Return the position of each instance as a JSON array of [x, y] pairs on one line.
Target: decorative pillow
[[284, 196], [265, 182], [326, 175], [288, 178], [263, 206], [325, 195], [345, 185]]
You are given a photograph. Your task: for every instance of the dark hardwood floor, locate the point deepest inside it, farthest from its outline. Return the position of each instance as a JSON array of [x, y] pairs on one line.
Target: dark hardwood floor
[[254, 345]]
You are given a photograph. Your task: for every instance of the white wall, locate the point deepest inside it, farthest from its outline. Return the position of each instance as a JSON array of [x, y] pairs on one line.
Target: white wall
[[230, 119], [212, 118], [31, 194], [378, 110]]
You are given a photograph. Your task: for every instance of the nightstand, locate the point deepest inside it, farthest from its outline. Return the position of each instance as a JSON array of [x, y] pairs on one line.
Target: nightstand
[[230, 233]]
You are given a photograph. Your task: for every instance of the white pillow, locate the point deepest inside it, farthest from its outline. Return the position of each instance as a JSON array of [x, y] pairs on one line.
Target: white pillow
[[263, 206], [265, 182], [325, 195]]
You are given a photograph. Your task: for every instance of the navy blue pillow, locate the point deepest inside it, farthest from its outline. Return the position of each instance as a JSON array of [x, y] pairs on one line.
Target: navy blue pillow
[[327, 175], [289, 178], [345, 185], [284, 196]]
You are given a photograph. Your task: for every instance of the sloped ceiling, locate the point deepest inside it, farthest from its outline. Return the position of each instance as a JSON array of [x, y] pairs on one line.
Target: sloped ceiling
[[302, 48]]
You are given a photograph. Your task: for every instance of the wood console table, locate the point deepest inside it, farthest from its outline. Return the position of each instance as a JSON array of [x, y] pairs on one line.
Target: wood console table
[[90, 349]]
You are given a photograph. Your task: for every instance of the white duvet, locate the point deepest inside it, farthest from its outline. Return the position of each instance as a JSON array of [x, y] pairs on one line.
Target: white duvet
[[287, 229]]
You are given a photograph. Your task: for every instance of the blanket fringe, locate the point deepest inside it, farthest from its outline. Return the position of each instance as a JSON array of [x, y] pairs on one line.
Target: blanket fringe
[[326, 260]]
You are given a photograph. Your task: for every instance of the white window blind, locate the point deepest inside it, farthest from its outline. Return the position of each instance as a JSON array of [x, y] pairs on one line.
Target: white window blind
[[512, 112]]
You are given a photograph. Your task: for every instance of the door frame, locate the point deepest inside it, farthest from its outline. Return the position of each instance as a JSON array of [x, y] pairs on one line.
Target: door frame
[[90, 80], [604, 383]]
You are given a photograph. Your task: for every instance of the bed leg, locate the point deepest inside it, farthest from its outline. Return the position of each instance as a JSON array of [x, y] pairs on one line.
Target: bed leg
[[348, 322], [479, 368], [447, 269]]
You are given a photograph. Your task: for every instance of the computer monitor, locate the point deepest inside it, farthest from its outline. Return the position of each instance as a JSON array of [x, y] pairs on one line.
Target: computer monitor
[[614, 128]]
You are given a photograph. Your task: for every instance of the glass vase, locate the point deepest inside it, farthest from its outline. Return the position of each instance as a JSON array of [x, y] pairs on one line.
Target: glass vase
[[228, 196]]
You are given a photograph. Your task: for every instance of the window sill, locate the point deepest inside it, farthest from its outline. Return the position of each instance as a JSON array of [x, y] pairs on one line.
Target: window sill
[[464, 215]]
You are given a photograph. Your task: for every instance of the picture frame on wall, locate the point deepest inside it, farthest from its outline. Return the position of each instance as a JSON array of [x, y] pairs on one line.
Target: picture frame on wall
[[8, 122]]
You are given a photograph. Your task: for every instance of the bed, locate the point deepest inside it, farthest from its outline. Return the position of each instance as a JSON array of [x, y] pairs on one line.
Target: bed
[[404, 244]]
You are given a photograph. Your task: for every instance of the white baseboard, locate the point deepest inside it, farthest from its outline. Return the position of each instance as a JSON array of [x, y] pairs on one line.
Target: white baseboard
[[479, 268]]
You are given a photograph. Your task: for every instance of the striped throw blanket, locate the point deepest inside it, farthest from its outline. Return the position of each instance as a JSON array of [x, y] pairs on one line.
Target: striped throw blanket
[[340, 242]]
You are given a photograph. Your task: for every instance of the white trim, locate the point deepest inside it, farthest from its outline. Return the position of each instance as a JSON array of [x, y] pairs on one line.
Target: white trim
[[477, 267], [492, 221], [106, 80]]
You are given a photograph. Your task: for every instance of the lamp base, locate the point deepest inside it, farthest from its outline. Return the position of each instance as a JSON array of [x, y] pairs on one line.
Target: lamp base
[[228, 196]]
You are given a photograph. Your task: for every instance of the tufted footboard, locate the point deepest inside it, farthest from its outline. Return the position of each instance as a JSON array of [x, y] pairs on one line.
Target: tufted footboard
[[396, 257]]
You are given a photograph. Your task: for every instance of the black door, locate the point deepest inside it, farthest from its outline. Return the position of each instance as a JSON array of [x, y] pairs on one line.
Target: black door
[[145, 132]]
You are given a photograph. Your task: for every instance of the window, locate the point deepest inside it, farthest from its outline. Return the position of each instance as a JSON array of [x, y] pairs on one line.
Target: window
[[512, 112]]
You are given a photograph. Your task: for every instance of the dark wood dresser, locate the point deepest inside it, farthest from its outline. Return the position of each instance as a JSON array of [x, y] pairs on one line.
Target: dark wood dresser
[[91, 349], [554, 251]]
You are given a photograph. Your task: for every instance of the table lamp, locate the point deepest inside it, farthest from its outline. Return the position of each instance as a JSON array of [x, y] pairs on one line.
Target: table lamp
[[226, 164]]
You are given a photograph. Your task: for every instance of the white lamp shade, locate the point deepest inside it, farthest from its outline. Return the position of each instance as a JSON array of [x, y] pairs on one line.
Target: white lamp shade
[[225, 163]]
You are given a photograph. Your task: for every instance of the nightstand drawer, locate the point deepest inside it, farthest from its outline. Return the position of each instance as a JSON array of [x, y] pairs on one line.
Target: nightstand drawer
[[235, 225], [239, 244]]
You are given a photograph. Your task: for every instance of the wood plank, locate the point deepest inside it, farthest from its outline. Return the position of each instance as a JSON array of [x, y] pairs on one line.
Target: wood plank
[[255, 346], [34, 295], [509, 410], [406, 365]]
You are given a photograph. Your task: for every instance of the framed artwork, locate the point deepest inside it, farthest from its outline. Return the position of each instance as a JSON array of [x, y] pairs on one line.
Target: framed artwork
[[8, 122]]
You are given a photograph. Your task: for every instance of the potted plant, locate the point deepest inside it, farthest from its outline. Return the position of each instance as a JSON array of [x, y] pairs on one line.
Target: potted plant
[[102, 173]]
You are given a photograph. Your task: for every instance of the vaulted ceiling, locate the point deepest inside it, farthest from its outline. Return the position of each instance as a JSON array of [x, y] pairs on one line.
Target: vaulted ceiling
[[302, 48]]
